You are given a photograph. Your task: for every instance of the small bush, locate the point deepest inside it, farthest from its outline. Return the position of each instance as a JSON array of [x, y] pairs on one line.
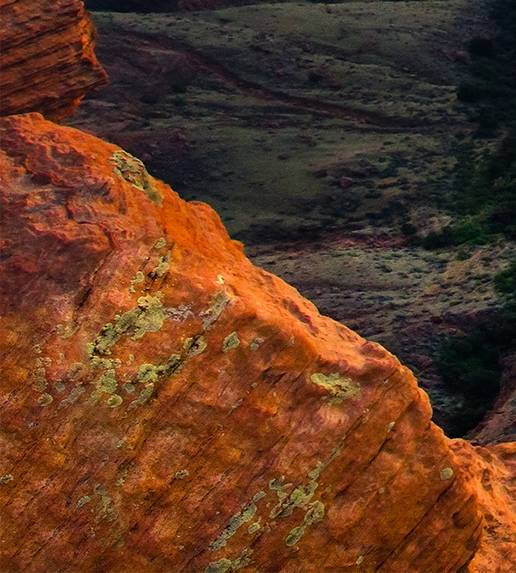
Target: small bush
[[471, 91], [480, 46], [505, 282]]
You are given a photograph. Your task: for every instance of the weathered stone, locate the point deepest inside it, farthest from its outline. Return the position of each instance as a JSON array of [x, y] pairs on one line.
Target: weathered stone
[[46, 67], [499, 425], [491, 473], [166, 406]]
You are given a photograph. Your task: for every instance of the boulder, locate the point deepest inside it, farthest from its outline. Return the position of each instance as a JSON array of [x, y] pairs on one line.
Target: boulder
[[46, 67], [499, 424], [167, 406], [491, 472]]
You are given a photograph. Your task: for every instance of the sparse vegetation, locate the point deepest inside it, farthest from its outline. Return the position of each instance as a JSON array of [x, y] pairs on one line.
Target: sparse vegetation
[[484, 194], [470, 363]]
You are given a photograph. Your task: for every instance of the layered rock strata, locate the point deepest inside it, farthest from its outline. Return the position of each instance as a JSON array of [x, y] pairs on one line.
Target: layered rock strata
[[166, 406], [47, 57], [491, 471], [499, 425]]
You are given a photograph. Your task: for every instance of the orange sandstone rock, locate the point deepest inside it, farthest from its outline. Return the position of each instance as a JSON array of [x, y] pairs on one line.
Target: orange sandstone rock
[[499, 425], [491, 472], [168, 407], [46, 67]]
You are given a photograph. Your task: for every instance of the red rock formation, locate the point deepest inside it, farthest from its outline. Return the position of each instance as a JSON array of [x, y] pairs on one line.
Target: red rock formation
[[491, 472], [499, 425], [166, 406], [46, 67]]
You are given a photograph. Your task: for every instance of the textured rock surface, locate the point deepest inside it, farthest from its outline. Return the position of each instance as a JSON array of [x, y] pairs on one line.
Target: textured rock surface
[[492, 472], [500, 423], [46, 67], [166, 406]]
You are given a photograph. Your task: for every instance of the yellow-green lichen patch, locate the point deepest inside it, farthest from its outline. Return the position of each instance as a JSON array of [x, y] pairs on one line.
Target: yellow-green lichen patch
[[314, 514], [255, 344], [45, 399], [278, 486], [121, 480], [148, 373], [161, 268], [181, 474], [66, 330], [39, 380], [73, 396], [340, 388], [129, 388], [83, 500], [58, 386], [148, 316], [161, 243], [107, 382], [97, 363], [298, 498], [115, 401], [133, 171], [105, 508], [254, 527], [242, 560], [231, 341], [446, 473], [194, 346], [6, 479], [223, 565], [315, 473], [220, 566], [139, 277], [218, 303], [235, 522], [144, 396]]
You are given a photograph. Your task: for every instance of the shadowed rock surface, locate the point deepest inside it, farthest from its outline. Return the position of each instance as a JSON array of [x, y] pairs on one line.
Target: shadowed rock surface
[[47, 57]]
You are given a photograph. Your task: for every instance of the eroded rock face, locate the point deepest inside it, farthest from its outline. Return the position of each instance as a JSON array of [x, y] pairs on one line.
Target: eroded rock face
[[46, 67], [491, 472], [499, 425], [166, 406]]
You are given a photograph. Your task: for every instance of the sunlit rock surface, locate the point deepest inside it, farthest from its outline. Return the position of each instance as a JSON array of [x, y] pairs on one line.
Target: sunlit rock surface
[[47, 57], [492, 473], [166, 406]]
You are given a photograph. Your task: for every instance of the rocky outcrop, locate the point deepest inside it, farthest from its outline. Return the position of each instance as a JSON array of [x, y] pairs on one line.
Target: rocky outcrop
[[499, 425], [46, 67], [166, 406], [491, 473]]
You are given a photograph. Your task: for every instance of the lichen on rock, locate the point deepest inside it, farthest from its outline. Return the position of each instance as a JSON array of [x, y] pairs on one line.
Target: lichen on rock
[[185, 450]]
